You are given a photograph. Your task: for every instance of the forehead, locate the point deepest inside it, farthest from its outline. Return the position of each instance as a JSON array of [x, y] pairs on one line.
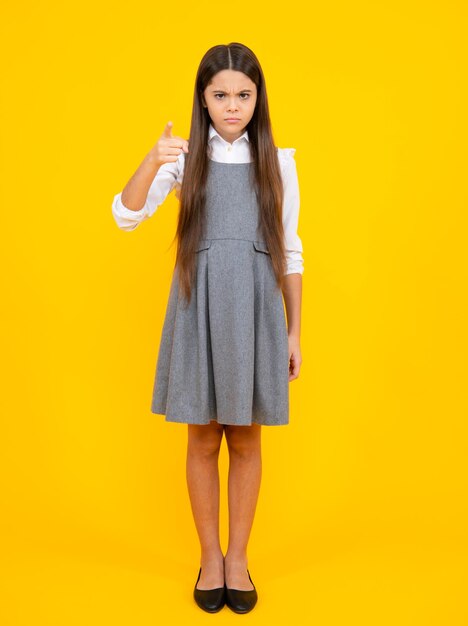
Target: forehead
[[231, 80]]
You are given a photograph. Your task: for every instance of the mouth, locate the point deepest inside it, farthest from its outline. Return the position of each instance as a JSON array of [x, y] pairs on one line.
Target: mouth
[[232, 119]]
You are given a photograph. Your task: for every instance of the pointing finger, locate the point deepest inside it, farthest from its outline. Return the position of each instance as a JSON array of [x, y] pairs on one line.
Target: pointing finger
[[168, 130]]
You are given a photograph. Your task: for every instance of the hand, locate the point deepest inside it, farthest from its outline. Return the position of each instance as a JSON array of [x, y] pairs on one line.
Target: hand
[[168, 148], [295, 358]]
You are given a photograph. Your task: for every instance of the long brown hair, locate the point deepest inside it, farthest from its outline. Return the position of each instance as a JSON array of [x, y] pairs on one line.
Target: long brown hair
[[267, 173]]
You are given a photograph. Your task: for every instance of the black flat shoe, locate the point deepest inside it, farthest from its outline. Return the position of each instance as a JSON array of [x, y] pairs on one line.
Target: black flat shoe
[[241, 601], [210, 600]]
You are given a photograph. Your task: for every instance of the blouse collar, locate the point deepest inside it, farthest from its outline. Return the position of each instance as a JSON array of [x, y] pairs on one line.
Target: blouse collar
[[214, 133]]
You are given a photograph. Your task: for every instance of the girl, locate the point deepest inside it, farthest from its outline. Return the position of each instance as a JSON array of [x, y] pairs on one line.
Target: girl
[[225, 356]]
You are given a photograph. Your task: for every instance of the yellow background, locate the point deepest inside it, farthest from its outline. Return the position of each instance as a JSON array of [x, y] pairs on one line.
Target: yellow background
[[362, 513]]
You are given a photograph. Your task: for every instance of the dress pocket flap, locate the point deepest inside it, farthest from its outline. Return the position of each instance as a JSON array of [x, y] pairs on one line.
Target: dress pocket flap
[[261, 246], [203, 244]]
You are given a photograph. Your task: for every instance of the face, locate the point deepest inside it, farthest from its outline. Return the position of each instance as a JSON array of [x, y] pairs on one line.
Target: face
[[231, 94]]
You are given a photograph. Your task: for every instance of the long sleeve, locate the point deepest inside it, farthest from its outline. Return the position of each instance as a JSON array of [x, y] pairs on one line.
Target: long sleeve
[[293, 243], [168, 176]]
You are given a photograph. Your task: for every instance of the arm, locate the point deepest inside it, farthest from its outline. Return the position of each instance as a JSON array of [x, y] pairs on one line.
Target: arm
[[160, 171], [292, 293], [145, 191], [136, 190], [292, 289]]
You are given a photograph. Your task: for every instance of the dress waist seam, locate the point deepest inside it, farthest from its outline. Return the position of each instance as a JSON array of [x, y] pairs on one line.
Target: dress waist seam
[[231, 238]]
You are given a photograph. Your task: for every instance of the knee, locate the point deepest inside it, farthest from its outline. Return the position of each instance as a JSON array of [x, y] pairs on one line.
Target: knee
[[205, 440], [243, 440]]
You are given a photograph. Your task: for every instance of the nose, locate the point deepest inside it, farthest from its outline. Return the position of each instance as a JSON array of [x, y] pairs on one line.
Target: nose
[[232, 105]]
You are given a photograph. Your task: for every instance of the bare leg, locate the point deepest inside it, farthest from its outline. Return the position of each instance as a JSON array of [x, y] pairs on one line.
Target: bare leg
[[204, 442], [245, 469]]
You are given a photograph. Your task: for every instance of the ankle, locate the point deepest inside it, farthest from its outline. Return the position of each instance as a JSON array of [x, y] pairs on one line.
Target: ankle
[[235, 557], [210, 556]]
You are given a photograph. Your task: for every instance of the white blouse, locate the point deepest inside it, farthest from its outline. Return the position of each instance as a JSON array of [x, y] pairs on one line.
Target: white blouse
[[169, 176]]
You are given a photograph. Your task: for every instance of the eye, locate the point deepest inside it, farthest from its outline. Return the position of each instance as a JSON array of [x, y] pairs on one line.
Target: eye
[[242, 94]]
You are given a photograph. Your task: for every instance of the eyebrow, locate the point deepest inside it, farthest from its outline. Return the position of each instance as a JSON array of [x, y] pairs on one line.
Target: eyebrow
[[222, 91]]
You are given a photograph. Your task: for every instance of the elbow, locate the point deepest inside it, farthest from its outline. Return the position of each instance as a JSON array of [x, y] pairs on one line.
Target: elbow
[[294, 270], [125, 218], [123, 223], [294, 262]]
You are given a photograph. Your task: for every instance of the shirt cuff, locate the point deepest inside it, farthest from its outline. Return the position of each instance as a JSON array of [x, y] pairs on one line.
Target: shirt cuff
[[126, 218]]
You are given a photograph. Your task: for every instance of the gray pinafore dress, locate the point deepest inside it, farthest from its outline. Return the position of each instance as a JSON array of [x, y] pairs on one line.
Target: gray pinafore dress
[[225, 355]]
